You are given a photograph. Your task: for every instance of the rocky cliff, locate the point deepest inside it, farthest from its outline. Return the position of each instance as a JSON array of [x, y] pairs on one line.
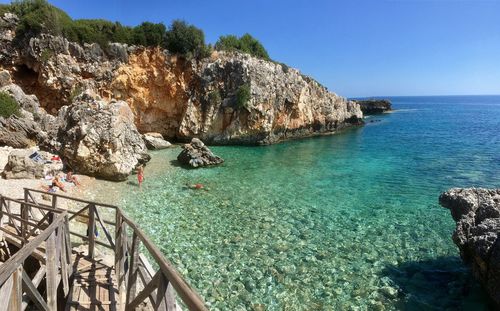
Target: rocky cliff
[[477, 234], [177, 97]]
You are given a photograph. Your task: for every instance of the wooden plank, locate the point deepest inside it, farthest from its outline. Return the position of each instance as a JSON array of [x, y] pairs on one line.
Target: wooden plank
[[40, 274], [24, 220], [91, 230], [11, 265], [64, 260], [122, 271], [106, 233], [51, 272], [38, 225], [5, 291], [31, 290], [161, 294], [16, 298], [146, 273], [132, 276], [148, 288], [80, 213], [86, 238]]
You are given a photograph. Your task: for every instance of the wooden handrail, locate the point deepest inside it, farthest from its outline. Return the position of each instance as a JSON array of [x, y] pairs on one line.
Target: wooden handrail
[[13, 262], [192, 300], [70, 198]]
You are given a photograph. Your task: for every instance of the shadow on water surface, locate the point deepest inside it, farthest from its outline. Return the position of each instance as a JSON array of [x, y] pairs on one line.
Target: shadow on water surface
[[443, 283]]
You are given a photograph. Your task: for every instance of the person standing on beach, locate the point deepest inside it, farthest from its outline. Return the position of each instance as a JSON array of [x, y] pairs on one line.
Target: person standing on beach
[[140, 175]]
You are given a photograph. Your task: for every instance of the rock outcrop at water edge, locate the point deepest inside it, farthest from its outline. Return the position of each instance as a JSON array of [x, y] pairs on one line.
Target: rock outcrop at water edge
[[98, 138], [374, 106], [196, 154], [477, 234]]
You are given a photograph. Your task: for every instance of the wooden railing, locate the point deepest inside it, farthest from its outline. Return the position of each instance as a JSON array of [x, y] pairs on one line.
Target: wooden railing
[[17, 289], [137, 281]]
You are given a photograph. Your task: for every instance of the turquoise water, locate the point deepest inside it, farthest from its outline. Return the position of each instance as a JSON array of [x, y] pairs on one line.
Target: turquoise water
[[342, 222]]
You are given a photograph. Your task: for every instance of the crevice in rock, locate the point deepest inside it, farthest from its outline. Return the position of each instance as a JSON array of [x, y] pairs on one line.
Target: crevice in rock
[[28, 80]]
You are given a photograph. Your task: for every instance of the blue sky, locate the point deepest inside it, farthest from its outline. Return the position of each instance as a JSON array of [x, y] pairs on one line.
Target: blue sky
[[354, 47]]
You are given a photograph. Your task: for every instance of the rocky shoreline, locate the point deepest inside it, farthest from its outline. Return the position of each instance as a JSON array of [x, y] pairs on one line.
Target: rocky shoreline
[[476, 212], [374, 106], [96, 107]]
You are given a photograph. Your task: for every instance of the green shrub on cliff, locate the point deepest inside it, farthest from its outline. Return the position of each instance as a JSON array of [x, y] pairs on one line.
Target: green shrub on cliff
[[97, 31], [185, 39], [39, 16], [8, 106], [36, 16], [245, 44], [243, 96], [149, 34]]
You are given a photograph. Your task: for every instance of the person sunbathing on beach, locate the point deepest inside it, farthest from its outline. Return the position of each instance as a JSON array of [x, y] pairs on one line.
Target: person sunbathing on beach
[[56, 182], [72, 178]]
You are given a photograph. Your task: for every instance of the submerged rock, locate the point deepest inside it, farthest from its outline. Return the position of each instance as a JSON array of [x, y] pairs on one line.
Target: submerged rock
[[155, 141], [477, 216], [196, 154], [374, 106], [100, 139]]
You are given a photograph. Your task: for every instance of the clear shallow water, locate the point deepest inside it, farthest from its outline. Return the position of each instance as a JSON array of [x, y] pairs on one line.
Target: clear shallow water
[[343, 222]]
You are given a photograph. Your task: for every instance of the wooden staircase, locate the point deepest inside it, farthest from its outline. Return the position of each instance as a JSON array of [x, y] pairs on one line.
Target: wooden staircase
[[84, 256]]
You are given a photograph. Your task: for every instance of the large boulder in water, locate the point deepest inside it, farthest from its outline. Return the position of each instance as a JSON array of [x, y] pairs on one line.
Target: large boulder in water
[[477, 234], [155, 141], [100, 139], [196, 154]]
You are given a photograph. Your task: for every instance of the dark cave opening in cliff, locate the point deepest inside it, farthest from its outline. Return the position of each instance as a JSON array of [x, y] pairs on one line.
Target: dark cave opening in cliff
[[28, 80]]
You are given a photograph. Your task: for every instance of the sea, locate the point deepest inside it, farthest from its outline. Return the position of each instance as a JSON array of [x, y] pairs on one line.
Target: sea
[[349, 221]]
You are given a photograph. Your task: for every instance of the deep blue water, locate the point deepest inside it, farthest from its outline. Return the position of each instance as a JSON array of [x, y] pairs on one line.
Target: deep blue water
[[342, 222]]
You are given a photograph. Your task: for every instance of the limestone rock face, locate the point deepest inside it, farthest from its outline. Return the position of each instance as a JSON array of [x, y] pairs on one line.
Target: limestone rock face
[[27, 129], [374, 106], [155, 141], [196, 154], [477, 215], [21, 166], [177, 97], [100, 139], [182, 99]]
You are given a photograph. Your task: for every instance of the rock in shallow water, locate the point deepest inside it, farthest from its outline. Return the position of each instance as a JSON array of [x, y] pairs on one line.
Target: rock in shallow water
[[196, 154], [155, 141], [477, 215]]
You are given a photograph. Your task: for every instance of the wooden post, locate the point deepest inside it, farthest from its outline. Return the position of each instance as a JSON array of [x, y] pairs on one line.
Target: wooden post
[[16, 296], [24, 224], [63, 259], [91, 230], [54, 206], [51, 272], [161, 303], [122, 272], [132, 274]]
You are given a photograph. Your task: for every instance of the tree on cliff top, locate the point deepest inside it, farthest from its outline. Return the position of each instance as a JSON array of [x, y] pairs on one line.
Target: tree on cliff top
[[185, 39], [246, 44], [150, 34]]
